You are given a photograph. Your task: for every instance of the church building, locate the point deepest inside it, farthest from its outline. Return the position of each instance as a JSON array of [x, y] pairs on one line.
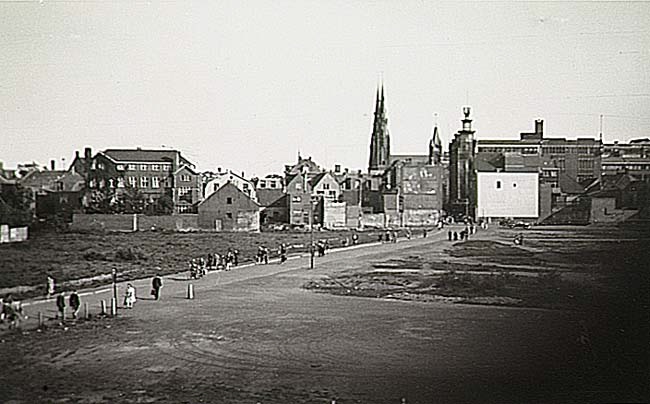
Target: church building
[[408, 189]]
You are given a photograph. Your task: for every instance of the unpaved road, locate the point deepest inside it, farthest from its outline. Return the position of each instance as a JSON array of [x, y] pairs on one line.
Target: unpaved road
[[254, 335]]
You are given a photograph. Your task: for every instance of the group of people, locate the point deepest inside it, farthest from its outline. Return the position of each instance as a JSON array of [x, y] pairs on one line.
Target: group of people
[[463, 234], [263, 253], [321, 247], [199, 266], [74, 301], [11, 311], [388, 237]]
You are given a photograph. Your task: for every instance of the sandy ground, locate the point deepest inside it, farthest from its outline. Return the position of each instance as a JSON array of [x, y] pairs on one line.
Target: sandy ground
[[254, 335]]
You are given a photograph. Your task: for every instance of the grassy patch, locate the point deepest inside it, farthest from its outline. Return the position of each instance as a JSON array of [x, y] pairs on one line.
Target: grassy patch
[[69, 256]]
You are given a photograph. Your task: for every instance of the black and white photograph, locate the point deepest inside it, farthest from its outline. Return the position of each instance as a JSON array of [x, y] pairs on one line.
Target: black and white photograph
[[328, 202]]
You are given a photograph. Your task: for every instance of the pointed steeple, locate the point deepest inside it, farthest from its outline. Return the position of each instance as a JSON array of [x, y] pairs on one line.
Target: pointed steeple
[[380, 139], [435, 145]]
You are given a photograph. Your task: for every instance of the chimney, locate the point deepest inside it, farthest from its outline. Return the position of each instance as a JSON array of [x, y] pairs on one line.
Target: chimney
[[337, 168], [76, 154], [539, 128], [219, 170], [242, 175], [87, 153], [52, 165]]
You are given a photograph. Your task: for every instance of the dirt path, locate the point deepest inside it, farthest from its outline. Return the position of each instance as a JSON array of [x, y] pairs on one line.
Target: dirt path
[[253, 335]]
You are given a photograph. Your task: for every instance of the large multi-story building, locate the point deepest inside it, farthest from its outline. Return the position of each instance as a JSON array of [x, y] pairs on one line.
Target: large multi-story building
[[579, 159], [631, 158], [152, 173]]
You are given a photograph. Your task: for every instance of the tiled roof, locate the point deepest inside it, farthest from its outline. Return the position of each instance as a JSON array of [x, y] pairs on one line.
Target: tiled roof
[[141, 155]]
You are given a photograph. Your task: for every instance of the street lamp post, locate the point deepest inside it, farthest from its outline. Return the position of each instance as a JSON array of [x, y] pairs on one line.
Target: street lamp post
[[114, 302], [311, 234]]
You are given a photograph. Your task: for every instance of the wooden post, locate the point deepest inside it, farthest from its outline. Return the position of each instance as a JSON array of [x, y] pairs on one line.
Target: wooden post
[[190, 291], [113, 307], [40, 319], [103, 307], [86, 314]]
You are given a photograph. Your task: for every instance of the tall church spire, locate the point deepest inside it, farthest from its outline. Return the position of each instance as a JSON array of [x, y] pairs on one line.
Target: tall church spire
[[380, 140]]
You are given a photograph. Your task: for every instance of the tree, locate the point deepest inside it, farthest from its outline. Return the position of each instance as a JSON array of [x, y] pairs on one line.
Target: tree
[[164, 205], [15, 205], [133, 200]]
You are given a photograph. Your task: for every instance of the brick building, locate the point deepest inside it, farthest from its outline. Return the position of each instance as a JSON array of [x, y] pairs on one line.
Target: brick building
[[154, 174], [229, 209]]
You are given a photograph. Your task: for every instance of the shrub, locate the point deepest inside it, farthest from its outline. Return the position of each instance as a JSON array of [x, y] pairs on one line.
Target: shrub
[[94, 255], [129, 254]]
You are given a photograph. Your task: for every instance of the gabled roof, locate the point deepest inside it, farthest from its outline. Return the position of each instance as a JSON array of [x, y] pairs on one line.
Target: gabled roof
[[41, 178], [316, 179], [268, 197], [484, 166], [225, 187], [185, 166], [568, 185]]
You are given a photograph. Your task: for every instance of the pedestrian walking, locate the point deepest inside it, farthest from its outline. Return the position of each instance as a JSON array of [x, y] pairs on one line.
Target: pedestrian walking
[[235, 254], [129, 296], [156, 286], [355, 238], [265, 254], [283, 253], [455, 236], [60, 306], [50, 286], [450, 234], [424, 233], [75, 303]]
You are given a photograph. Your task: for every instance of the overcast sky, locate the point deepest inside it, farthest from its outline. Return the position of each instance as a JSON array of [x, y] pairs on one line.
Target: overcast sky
[[247, 84]]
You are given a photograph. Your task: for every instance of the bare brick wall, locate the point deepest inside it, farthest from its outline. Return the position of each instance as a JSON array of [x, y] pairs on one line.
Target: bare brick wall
[[100, 222]]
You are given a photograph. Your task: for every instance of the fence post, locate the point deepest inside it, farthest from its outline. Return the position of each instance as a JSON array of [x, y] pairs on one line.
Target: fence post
[[190, 291], [113, 307], [40, 319], [86, 310], [103, 307]]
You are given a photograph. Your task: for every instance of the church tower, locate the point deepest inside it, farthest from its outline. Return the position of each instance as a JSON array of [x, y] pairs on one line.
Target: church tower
[[380, 140], [435, 147], [462, 174]]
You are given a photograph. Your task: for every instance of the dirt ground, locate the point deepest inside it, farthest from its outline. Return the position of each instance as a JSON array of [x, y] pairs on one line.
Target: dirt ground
[[77, 256], [260, 334]]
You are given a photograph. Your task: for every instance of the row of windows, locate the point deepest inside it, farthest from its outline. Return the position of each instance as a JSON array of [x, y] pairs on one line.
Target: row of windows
[[269, 184], [143, 182], [585, 164], [184, 190], [545, 150], [143, 167], [571, 150], [635, 167]]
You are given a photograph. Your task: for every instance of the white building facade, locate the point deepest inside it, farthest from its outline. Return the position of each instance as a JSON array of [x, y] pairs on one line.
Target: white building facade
[[507, 195], [224, 177]]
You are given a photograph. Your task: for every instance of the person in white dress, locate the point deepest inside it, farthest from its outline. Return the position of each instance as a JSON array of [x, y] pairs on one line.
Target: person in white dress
[[129, 296]]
